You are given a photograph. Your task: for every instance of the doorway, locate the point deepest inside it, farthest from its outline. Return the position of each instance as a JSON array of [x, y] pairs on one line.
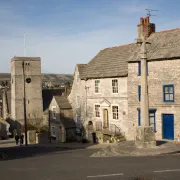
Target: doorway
[[168, 126], [105, 119]]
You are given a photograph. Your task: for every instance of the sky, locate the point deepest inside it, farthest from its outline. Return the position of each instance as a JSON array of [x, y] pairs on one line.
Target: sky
[[69, 32]]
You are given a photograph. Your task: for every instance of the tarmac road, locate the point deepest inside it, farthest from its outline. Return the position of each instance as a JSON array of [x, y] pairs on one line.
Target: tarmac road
[[63, 164]]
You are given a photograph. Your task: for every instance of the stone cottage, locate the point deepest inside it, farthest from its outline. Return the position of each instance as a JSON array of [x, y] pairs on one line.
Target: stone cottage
[[62, 124], [106, 91], [163, 85], [99, 93]]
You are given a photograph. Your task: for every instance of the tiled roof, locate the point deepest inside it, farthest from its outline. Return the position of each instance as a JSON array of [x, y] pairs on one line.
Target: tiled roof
[[113, 62], [63, 102]]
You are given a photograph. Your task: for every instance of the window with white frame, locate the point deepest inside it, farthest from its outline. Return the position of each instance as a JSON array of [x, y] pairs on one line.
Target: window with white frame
[[97, 85], [78, 101], [115, 85], [53, 131], [115, 112], [54, 112], [97, 110]]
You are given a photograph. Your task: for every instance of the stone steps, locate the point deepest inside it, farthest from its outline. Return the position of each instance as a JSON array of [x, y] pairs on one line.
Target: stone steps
[[108, 137]]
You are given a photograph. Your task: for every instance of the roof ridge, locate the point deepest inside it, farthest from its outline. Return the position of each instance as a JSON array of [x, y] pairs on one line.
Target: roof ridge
[[166, 30]]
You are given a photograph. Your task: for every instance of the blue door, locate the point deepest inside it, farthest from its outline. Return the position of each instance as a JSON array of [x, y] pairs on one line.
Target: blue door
[[168, 126]]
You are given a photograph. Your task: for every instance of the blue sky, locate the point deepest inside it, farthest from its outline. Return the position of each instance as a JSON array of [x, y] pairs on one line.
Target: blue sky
[[67, 32]]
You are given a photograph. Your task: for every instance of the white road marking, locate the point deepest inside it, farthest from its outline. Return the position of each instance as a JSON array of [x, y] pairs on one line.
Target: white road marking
[[106, 175], [170, 170]]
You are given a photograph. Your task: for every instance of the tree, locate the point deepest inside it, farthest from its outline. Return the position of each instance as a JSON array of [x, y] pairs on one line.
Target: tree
[[35, 122]]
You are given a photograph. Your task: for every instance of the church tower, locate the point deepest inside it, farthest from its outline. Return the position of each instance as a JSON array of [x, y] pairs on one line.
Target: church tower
[[26, 77]]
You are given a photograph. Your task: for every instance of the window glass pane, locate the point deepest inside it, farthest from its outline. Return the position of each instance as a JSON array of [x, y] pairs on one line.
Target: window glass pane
[[171, 97], [97, 110], [166, 89], [115, 112], [151, 114], [167, 97], [170, 89], [151, 120]]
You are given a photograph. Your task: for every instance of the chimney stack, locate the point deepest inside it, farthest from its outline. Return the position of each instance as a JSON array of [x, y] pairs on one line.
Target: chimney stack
[[145, 26]]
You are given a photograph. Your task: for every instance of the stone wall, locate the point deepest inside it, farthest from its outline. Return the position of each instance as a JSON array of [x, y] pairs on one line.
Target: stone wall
[[78, 88], [159, 73], [106, 99]]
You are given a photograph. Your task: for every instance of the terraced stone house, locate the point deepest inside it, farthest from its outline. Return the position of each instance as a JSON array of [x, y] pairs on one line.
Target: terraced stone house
[[106, 91]]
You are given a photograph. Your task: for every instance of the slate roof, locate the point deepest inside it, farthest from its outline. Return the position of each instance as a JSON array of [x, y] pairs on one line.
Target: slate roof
[[81, 69], [63, 102], [113, 62]]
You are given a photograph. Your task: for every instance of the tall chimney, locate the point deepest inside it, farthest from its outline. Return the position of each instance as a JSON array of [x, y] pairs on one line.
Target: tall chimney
[[145, 26]]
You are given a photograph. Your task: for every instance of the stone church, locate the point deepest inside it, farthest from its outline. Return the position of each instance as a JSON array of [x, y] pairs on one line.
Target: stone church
[[26, 82]]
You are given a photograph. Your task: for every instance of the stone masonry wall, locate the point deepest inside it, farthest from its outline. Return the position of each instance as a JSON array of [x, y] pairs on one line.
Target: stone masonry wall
[[159, 73], [89, 98], [78, 88], [119, 99], [33, 90]]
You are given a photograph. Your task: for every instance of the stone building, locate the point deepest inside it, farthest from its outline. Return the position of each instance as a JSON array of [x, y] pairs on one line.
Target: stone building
[[105, 91], [163, 85], [62, 124], [33, 89], [99, 93]]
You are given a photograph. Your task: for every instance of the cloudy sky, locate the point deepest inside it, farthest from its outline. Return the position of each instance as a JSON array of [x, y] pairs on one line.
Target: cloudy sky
[[67, 32]]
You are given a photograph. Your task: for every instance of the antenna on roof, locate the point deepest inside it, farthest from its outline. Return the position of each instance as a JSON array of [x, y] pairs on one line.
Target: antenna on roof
[[149, 12]]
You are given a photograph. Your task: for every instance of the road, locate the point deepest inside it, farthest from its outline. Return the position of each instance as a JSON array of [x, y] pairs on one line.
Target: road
[[62, 164]]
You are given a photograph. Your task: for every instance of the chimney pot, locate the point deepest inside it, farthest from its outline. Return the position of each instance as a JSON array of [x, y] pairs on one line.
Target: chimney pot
[[145, 26], [141, 20]]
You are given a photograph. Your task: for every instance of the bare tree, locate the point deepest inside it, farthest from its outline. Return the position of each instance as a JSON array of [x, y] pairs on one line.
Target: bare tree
[[35, 121]]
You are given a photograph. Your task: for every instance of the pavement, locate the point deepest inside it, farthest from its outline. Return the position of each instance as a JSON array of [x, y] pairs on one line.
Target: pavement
[[128, 148], [70, 145], [78, 165]]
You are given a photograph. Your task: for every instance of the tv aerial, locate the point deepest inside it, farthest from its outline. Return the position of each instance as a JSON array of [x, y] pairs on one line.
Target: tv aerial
[[149, 12]]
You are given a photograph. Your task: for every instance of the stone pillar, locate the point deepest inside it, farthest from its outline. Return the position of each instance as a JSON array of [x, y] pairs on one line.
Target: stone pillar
[[145, 136]]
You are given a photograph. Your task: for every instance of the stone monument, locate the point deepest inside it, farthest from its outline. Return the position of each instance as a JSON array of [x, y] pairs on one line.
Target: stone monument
[[145, 136]]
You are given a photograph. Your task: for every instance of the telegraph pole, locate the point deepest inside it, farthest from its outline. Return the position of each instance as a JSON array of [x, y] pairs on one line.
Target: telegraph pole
[[24, 101]]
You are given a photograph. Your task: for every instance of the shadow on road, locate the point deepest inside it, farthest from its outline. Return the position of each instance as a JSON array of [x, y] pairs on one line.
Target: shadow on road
[[18, 152], [158, 143]]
